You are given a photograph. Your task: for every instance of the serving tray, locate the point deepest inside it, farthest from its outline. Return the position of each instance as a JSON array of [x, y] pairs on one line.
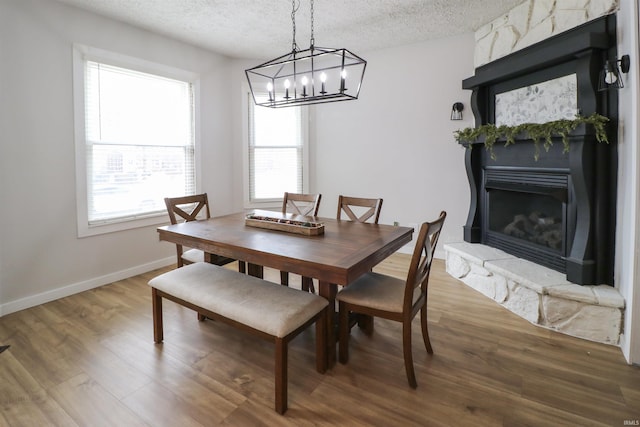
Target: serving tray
[[284, 222]]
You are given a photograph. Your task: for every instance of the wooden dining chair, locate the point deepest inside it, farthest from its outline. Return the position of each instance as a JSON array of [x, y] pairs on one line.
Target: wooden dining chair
[[306, 205], [395, 299], [301, 204], [191, 208], [359, 209]]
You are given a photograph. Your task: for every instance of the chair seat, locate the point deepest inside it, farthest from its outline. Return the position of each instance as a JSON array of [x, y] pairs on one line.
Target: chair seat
[[196, 255], [193, 255], [377, 291]]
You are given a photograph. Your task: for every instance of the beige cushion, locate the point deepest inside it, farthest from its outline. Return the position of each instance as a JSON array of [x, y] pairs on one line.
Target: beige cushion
[[274, 309], [193, 255], [377, 291]]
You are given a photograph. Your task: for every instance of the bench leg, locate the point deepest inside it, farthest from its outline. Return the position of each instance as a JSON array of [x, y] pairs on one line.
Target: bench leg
[[281, 375], [156, 303]]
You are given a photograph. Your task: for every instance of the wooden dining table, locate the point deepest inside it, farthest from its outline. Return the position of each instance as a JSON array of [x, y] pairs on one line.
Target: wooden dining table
[[338, 256]]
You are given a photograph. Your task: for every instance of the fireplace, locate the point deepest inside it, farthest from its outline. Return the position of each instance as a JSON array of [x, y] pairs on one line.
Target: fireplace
[[557, 210]]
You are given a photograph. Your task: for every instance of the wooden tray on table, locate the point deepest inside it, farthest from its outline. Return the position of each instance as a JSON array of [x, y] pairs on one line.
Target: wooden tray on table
[[285, 222]]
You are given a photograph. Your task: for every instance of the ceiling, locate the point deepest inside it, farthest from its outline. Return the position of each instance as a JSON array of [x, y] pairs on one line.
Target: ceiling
[[263, 28]]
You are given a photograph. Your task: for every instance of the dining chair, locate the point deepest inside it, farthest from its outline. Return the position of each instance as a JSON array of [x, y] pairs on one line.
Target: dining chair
[[191, 208], [361, 210], [394, 299], [365, 209], [305, 205], [301, 204]]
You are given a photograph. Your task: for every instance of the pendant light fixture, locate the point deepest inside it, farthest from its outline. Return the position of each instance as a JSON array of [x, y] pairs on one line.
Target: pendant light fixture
[[304, 77]]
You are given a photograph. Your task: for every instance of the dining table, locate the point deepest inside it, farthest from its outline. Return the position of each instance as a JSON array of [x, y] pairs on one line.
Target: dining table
[[336, 257]]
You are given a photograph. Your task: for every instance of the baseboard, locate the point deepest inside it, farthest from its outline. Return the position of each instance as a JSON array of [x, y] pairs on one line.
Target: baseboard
[[65, 291]]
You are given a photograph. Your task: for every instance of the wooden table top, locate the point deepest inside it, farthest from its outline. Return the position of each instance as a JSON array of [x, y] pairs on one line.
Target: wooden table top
[[346, 250]]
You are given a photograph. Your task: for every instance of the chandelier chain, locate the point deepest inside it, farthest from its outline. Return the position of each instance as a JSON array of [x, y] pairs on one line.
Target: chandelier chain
[[313, 42], [294, 9]]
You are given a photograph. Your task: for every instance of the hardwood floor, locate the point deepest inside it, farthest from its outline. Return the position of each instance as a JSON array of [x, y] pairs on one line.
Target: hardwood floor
[[90, 360]]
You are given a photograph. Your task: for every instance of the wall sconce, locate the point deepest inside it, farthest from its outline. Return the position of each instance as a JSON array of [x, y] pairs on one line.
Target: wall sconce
[[456, 111], [610, 77]]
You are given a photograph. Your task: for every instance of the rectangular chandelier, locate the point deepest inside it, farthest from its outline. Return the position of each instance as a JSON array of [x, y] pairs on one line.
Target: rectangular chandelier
[[313, 76]]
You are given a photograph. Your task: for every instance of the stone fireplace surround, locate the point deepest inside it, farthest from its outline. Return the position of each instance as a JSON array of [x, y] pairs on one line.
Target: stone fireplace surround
[[536, 293]]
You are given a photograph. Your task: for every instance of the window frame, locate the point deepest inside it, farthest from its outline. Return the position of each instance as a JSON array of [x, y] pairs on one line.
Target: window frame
[[305, 135], [81, 54]]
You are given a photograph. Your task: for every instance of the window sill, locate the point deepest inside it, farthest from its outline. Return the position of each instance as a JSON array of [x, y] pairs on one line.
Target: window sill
[[86, 230]]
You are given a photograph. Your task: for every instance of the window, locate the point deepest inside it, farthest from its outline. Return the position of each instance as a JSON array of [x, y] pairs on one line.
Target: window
[[135, 141], [277, 158]]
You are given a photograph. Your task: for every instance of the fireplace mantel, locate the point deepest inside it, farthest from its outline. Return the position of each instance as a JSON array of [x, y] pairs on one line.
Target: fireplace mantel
[[590, 167], [582, 49]]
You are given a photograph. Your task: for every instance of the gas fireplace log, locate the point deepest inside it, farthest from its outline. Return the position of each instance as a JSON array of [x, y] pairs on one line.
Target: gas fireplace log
[[536, 228]]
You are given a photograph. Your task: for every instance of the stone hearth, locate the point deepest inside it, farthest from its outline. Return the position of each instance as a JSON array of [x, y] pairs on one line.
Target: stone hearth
[[538, 294]]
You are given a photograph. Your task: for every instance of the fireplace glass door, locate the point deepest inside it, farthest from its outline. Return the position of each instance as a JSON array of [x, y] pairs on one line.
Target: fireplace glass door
[[534, 218], [528, 221]]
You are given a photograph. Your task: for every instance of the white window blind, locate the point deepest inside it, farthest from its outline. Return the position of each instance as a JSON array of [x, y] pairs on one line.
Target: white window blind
[[276, 143], [139, 142]]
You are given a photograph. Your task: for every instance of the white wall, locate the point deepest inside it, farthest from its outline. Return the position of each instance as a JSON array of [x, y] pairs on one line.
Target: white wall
[[41, 257], [627, 274], [396, 141]]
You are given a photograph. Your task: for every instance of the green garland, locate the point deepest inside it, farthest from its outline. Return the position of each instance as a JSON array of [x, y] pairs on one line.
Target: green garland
[[538, 132]]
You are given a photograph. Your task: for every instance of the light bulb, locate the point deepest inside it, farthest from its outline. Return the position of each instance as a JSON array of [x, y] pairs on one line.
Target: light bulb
[[287, 83], [610, 77], [323, 78], [304, 80], [270, 90], [343, 73]]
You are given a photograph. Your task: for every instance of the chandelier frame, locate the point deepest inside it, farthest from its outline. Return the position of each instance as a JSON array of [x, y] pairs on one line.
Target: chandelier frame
[[316, 75]]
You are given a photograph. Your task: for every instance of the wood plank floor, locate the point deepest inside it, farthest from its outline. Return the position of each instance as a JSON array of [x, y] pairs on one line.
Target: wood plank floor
[[89, 360]]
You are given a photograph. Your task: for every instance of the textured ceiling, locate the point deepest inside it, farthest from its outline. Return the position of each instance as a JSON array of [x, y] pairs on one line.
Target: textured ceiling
[[263, 28]]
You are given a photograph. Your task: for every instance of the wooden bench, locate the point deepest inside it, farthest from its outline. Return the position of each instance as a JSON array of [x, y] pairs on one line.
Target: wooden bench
[[271, 311]]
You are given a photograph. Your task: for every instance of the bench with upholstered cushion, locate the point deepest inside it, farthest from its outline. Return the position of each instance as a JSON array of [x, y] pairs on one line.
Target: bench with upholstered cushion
[[266, 309]]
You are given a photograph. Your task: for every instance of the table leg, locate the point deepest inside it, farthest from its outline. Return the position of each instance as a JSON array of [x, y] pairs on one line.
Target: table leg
[[365, 323], [255, 270], [328, 291]]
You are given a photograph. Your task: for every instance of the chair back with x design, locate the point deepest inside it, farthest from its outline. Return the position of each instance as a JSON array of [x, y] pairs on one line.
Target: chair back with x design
[[359, 209], [301, 204], [187, 207]]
